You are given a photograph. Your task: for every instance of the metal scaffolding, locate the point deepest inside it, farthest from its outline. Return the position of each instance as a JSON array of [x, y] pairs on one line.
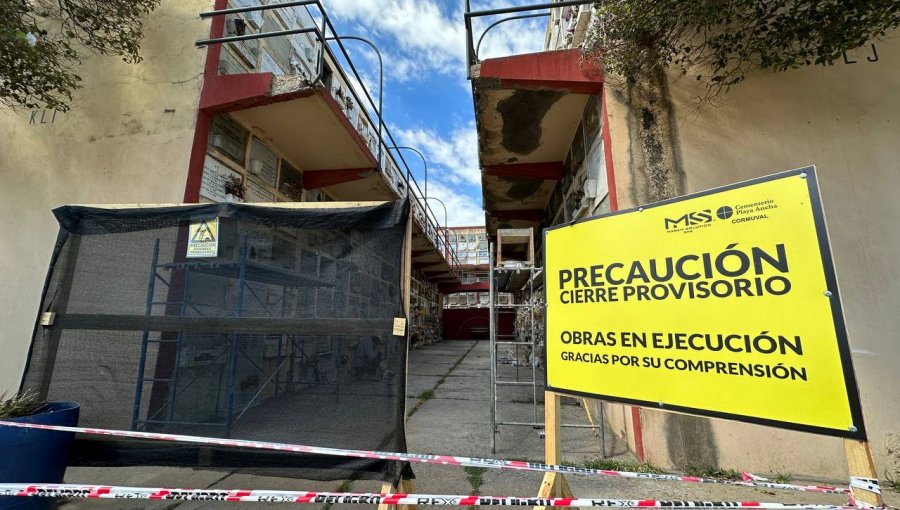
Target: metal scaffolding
[[169, 361], [518, 358], [514, 358]]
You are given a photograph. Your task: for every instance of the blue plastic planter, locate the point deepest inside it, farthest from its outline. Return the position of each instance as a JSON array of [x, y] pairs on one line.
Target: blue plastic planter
[[38, 456]]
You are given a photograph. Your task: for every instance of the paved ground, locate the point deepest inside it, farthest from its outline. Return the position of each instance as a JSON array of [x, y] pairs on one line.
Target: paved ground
[[454, 420]]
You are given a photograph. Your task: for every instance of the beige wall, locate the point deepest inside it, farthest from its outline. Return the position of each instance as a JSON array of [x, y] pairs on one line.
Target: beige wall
[[845, 119], [126, 139]]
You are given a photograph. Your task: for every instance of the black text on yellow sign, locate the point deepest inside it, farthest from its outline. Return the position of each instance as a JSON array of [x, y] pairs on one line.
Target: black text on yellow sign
[[203, 240], [722, 303]]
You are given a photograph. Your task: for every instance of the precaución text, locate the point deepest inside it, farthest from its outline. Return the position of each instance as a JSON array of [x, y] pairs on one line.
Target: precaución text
[[733, 272]]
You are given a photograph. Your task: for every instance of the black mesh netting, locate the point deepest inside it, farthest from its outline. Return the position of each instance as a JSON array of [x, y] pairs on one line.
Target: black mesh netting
[[277, 326]]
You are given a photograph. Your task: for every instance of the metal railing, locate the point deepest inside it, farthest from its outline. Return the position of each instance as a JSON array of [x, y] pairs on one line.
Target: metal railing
[[402, 183], [472, 48]]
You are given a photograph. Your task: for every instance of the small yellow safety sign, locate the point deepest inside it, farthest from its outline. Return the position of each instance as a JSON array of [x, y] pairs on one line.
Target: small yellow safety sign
[[204, 239]]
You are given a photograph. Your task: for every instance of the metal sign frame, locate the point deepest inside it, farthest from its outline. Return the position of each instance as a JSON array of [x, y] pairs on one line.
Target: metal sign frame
[[857, 430]]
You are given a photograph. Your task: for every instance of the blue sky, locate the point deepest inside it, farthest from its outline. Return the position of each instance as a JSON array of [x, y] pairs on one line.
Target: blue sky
[[427, 98]]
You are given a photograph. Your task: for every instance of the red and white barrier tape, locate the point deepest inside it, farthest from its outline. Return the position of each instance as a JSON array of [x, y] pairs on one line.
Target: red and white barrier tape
[[514, 465], [113, 492]]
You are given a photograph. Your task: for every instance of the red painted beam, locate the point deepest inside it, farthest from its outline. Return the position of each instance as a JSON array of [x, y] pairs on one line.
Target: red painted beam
[[607, 149], [638, 428], [321, 178], [450, 288], [518, 214], [554, 70], [548, 171], [204, 120], [223, 93]]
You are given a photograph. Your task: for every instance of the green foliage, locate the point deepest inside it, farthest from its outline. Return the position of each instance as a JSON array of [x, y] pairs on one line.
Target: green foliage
[[712, 472], [475, 477], [26, 404], [719, 43], [782, 478], [42, 43], [622, 465]]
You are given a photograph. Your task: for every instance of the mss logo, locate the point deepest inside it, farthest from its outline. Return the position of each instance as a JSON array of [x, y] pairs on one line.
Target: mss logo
[[689, 219]]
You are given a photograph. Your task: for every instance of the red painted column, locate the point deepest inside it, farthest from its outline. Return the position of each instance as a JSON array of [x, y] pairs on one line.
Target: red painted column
[[204, 120], [607, 150], [198, 155]]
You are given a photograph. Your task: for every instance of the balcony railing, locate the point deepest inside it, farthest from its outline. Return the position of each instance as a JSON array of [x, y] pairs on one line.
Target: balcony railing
[[472, 46], [298, 48]]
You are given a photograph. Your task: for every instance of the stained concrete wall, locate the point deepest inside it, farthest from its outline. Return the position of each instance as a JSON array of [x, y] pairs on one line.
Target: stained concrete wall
[[126, 139], [845, 119]]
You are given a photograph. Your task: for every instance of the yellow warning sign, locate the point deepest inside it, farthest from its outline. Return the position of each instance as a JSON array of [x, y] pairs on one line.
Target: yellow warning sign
[[204, 239], [722, 303]]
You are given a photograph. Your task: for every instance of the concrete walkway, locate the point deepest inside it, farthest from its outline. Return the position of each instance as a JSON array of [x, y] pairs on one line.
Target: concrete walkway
[[448, 394]]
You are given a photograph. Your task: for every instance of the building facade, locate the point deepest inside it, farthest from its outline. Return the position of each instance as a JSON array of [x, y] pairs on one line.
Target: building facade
[[278, 116], [466, 315], [589, 155], [465, 308]]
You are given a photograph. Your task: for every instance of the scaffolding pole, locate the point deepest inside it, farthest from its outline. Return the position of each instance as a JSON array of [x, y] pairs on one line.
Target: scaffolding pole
[[518, 277]]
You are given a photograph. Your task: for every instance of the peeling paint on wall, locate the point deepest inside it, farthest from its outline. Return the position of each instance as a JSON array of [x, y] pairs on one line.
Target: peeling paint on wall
[[523, 113]]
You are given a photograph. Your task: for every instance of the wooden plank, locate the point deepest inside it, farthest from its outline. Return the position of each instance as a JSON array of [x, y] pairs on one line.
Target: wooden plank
[[58, 305], [387, 488], [406, 265], [860, 464], [405, 487], [554, 484], [513, 237], [405, 284], [531, 246], [552, 402], [587, 404], [517, 233]]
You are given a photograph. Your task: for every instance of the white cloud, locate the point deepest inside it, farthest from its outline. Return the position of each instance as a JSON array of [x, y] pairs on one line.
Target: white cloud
[[512, 37], [462, 209], [452, 168], [426, 40], [453, 159]]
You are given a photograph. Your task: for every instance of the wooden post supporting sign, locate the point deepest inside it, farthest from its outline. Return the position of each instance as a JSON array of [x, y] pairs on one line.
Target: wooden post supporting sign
[[554, 484], [861, 465], [643, 339], [405, 486]]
